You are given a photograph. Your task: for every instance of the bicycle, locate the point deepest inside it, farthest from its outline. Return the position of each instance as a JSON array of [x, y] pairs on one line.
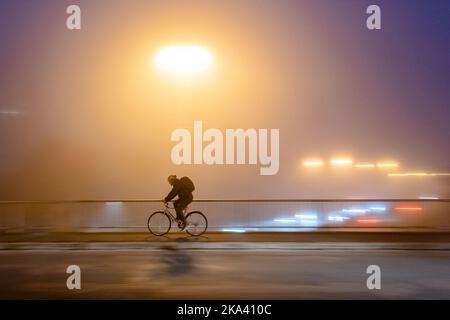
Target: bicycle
[[160, 222]]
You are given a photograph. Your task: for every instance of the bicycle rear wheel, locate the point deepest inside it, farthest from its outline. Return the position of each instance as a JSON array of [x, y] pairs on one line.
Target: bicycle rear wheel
[[159, 223], [196, 223]]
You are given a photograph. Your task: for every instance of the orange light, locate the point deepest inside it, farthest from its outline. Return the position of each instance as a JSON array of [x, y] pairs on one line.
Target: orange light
[[418, 174], [183, 59], [387, 165], [368, 220], [313, 163], [341, 162], [409, 208]]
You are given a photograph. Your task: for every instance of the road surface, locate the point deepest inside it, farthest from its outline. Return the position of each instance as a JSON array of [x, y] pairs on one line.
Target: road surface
[[264, 266]]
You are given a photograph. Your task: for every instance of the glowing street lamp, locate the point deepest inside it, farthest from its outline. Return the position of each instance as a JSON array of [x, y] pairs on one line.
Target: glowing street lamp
[[183, 60]]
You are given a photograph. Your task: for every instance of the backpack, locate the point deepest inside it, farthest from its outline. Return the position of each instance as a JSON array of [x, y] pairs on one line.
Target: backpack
[[187, 184]]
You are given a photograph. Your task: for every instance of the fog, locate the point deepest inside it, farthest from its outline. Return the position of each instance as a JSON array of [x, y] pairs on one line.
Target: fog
[[86, 115]]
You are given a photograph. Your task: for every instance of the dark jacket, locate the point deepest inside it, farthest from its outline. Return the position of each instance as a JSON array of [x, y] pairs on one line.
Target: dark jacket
[[178, 189]]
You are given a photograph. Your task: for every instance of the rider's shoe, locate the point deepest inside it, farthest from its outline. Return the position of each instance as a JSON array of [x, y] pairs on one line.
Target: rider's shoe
[[181, 225]]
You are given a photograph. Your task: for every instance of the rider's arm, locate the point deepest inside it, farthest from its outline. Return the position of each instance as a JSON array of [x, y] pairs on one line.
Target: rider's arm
[[172, 193]]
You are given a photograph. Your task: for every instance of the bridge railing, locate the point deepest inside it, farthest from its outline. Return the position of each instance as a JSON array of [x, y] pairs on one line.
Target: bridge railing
[[228, 215]]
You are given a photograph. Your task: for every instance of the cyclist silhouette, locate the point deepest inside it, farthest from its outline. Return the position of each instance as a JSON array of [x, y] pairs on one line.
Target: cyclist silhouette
[[182, 188]]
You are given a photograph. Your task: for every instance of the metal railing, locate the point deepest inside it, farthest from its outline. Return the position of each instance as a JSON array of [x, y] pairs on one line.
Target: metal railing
[[3, 202], [234, 215]]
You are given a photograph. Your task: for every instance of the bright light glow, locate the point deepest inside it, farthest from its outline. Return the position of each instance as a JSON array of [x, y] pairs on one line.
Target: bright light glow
[[341, 162], [337, 218], [316, 163], [387, 165], [355, 210], [418, 174], [284, 220], [365, 165], [377, 208], [307, 220], [234, 230], [428, 198], [306, 216], [409, 208], [183, 59], [368, 220]]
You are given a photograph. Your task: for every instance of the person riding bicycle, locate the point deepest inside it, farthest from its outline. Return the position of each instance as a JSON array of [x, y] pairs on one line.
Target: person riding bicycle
[[182, 188]]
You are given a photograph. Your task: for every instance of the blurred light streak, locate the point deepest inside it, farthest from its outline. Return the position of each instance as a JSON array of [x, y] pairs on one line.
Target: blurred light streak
[[428, 198], [234, 230], [365, 165], [337, 218], [341, 162], [418, 174], [306, 216], [355, 210], [377, 208], [285, 220], [387, 165], [317, 163], [409, 208], [368, 220]]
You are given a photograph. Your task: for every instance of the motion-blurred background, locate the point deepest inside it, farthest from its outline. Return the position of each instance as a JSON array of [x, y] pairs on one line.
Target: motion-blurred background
[[85, 114]]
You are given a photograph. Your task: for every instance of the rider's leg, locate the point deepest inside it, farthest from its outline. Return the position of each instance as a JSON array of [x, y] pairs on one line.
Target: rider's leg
[[178, 204]]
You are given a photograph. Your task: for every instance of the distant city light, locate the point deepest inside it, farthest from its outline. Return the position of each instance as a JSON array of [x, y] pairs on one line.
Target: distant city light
[[377, 208], [306, 216], [409, 208], [368, 220], [307, 220], [234, 230], [355, 210], [387, 165], [316, 163], [285, 220], [337, 218], [341, 162], [365, 165], [418, 174]]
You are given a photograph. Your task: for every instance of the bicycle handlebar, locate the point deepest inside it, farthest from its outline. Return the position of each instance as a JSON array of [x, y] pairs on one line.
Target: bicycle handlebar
[[166, 204]]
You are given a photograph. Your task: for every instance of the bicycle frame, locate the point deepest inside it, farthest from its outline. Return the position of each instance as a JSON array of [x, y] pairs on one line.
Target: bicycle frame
[[169, 213]]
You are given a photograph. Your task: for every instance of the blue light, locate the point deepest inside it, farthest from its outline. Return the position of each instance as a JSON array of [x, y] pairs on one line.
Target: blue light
[[285, 220], [234, 230], [355, 210], [337, 218], [306, 216], [377, 209]]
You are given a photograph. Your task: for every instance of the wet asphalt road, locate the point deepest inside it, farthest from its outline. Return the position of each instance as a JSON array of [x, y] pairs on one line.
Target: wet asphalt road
[[228, 270]]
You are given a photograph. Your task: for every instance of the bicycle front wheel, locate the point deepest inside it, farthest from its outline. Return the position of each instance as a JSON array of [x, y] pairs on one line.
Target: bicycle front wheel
[[159, 223], [196, 223]]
